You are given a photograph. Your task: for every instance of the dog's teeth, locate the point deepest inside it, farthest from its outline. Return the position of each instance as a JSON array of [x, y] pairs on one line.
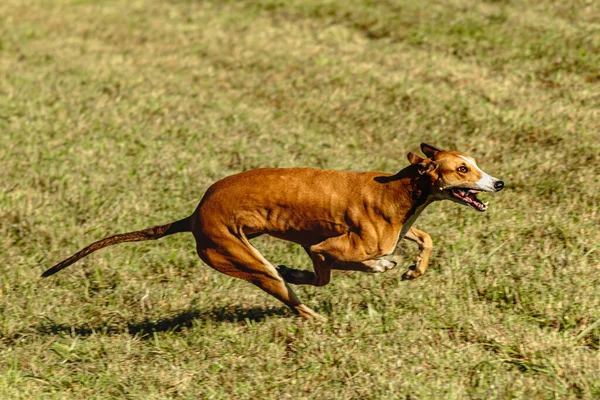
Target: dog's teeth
[[486, 203]]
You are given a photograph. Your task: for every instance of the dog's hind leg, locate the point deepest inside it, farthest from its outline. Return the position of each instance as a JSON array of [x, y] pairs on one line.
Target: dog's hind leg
[[236, 257]]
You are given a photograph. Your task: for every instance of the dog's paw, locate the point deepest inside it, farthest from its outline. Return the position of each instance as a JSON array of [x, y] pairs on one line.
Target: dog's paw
[[383, 265], [411, 273], [378, 266], [309, 314]]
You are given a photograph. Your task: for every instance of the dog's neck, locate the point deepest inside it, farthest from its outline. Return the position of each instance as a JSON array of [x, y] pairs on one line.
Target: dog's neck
[[408, 193]]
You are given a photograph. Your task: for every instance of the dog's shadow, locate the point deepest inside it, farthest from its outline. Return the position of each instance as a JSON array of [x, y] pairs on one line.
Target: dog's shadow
[[174, 323]]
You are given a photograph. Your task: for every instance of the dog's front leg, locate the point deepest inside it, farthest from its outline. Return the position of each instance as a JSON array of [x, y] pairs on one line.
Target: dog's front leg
[[371, 266], [303, 277], [335, 253], [320, 277], [342, 253], [425, 246], [323, 269]]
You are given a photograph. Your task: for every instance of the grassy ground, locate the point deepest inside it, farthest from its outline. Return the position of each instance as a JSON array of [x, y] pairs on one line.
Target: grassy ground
[[116, 116]]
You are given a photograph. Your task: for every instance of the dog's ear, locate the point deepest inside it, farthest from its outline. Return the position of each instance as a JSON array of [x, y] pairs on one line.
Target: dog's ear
[[429, 150], [430, 168], [414, 159]]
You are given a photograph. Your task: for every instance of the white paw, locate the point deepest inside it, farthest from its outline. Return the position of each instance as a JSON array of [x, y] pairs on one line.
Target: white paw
[[383, 265]]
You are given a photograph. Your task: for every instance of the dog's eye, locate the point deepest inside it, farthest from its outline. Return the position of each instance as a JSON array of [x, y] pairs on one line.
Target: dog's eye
[[463, 169]]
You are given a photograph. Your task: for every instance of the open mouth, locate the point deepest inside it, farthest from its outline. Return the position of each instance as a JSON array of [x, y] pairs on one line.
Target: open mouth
[[469, 197]]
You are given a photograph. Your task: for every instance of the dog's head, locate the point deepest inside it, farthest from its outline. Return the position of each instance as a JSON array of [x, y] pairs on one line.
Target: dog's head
[[455, 176]]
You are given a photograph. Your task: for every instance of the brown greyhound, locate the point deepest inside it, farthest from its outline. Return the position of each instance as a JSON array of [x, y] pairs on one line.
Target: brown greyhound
[[344, 220]]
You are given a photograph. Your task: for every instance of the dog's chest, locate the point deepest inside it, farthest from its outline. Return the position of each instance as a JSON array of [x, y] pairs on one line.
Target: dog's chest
[[408, 223]]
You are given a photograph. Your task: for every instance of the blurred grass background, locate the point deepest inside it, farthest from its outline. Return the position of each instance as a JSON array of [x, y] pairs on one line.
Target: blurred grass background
[[116, 116]]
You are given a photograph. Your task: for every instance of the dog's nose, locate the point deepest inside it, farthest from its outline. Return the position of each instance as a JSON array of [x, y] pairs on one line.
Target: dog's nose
[[498, 185]]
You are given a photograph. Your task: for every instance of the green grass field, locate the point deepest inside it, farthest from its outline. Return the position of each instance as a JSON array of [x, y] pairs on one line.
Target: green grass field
[[117, 116]]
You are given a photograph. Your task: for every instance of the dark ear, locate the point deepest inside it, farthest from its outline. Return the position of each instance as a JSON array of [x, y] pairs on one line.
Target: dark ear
[[429, 150], [414, 159], [428, 167]]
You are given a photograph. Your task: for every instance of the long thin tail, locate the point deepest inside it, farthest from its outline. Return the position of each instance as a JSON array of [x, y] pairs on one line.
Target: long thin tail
[[153, 233]]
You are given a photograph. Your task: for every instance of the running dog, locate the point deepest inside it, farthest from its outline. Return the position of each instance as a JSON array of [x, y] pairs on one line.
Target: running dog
[[344, 220]]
